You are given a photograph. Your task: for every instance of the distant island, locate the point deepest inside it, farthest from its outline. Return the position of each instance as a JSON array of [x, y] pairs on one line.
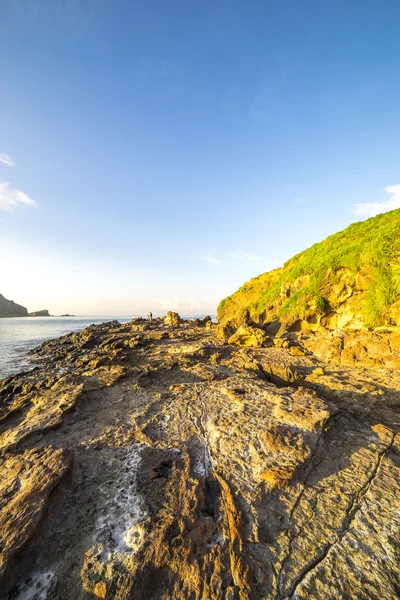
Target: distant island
[[67, 315], [9, 308]]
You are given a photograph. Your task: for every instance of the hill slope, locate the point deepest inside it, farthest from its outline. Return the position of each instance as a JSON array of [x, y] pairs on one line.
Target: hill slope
[[349, 280], [8, 308]]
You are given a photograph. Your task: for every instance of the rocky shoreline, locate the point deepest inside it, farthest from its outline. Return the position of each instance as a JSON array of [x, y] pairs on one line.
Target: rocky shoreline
[[157, 460]]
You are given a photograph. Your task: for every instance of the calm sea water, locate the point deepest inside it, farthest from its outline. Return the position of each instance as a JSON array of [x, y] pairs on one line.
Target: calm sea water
[[20, 334]]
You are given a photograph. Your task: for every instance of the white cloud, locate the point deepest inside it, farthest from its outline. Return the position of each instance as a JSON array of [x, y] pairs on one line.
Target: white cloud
[[11, 198], [244, 256], [6, 160], [371, 209], [210, 259]]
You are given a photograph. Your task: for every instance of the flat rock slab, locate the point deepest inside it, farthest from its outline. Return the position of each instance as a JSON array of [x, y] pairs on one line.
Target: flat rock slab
[[154, 462]]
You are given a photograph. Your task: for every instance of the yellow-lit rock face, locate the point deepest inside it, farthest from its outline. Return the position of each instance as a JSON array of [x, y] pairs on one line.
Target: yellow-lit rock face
[[142, 461], [348, 281], [172, 318], [246, 335]]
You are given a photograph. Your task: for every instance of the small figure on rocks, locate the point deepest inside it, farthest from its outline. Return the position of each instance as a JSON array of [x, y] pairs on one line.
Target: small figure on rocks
[[150, 316]]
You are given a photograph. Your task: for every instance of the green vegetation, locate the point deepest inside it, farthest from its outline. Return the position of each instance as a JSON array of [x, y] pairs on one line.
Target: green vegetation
[[371, 247], [222, 304]]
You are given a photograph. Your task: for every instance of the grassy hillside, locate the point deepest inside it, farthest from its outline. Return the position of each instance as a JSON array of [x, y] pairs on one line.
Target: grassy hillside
[[370, 248]]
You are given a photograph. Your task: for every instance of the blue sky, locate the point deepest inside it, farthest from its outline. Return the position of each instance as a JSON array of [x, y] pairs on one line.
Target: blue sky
[[170, 150]]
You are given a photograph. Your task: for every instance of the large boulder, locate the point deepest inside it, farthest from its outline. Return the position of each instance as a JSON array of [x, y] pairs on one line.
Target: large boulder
[[247, 335], [225, 330], [172, 318], [202, 322]]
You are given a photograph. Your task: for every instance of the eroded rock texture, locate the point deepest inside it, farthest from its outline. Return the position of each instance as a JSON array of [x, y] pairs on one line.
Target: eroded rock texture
[[144, 461]]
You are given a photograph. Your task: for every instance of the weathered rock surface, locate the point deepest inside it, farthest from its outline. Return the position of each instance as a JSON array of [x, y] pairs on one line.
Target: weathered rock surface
[[246, 335], [146, 462], [172, 318]]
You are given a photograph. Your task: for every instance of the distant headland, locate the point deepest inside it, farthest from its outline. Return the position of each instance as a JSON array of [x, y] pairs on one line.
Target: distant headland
[[9, 308]]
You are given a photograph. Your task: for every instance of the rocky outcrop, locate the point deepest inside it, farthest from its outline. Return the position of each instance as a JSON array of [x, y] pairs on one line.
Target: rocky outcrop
[[247, 335], [349, 281], [154, 462], [206, 322], [339, 300], [172, 318], [8, 308], [40, 313]]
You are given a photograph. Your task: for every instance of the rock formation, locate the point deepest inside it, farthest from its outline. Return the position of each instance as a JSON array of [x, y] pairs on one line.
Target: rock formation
[[154, 462], [8, 308], [351, 280], [172, 318]]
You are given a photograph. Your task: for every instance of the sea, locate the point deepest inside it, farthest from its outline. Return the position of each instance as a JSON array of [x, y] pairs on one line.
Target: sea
[[18, 335]]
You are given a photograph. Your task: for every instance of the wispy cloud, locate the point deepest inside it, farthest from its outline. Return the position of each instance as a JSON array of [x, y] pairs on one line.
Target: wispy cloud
[[244, 256], [210, 259], [370, 209], [11, 198], [6, 160]]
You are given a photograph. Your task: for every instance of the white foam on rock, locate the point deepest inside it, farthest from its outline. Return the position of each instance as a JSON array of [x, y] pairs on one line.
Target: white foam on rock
[[38, 586], [199, 467], [123, 509]]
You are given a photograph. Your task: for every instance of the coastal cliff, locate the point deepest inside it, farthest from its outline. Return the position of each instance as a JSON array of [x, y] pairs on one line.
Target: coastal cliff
[[156, 461], [349, 281], [8, 308], [338, 300]]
